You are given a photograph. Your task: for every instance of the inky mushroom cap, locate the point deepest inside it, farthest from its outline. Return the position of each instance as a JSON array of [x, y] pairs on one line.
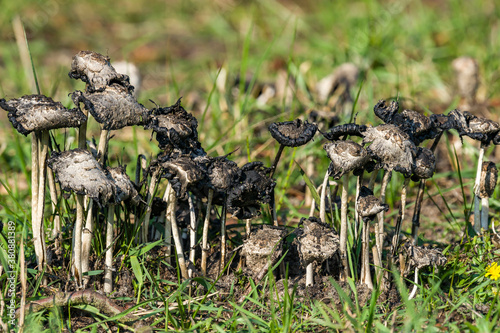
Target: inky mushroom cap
[[96, 70], [77, 170], [253, 189], [425, 164], [386, 112], [420, 257], [391, 147], [342, 130], [477, 128], [317, 242], [38, 112], [369, 205], [113, 107], [293, 133], [183, 173], [345, 156], [488, 180], [223, 173], [125, 189]]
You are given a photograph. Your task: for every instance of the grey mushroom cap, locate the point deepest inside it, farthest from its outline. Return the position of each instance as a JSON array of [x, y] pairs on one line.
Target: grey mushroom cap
[[477, 128], [125, 189], [183, 173], [425, 164], [96, 70], [38, 112], [420, 257], [293, 133], [78, 171], [488, 180], [368, 205], [391, 147], [317, 242], [223, 173], [114, 107], [345, 156]]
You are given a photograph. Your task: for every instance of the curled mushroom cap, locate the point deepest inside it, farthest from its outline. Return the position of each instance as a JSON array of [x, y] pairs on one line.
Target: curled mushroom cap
[[253, 189], [391, 147], [477, 128], [113, 107], [77, 170], [183, 172], [425, 164], [223, 173], [96, 70], [488, 181], [38, 112], [386, 112], [345, 156], [345, 129], [293, 133], [317, 242], [368, 205], [125, 189], [420, 257]]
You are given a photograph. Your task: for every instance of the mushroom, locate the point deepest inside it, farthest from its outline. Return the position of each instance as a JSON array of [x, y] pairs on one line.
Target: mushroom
[[368, 206], [78, 171], [37, 114], [315, 243], [345, 157], [487, 184], [125, 190]]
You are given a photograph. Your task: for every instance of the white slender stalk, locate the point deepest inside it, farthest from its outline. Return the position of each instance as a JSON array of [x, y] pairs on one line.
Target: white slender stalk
[[175, 234], [87, 233], [108, 263], [477, 214], [192, 236], [150, 196], [343, 224], [168, 223], [359, 182], [415, 286], [378, 266], [310, 275], [102, 149], [401, 217], [248, 227], [77, 242], [223, 237], [366, 277], [373, 177], [322, 204], [379, 233], [56, 229], [38, 227], [485, 208], [204, 243]]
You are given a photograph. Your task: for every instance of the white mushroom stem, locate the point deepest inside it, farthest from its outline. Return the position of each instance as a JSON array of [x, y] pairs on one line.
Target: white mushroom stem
[[204, 242], [310, 275], [415, 286], [150, 196], [359, 182], [248, 227], [379, 233], [416, 212], [140, 166], [56, 230], [485, 208], [373, 177], [192, 236], [168, 222], [401, 217], [322, 204], [103, 146], [223, 237], [343, 224], [377, 262], [366, 277], [77, 242], [176, 236], [87, 233], [38, 226], [477, 214], [108, 263]]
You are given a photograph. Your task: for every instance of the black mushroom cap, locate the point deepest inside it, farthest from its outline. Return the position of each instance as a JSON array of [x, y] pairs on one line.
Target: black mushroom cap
[[316, 242], [253, 189], [183, 172], [125, 189], [222, 174], [386, 112], [77, 170], [477, 128], [425, 164], [113, 107], [369, 205], [420, 257], [345, 129], [293, 133], [346, 156], [96, 70], [488, 180], [391, 147], [38, 112]]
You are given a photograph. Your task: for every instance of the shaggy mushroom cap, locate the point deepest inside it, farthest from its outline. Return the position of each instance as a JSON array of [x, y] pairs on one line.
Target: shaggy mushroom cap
[[77, 170], [477, 128], [125, 189], [425, 164], [113, 107], [293, 133], [386, 112], [317, 242], [391, 147], [369, 205], [38, 112], [253, 189], [96, 70], [342, 130], [345, 156], [183, 173], [420, 257], [488, 181]]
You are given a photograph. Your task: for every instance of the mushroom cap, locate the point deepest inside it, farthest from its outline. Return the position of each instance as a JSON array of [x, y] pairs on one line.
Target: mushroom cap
[[477, 128], [345, 129], [223, 173], [253, 189], [77, 170], [113, 107], [425, 164], [345, 156], [391, 147], [420, 257], [293, 133], [125, 189], [183, 172], [317, 242], [96, 70], [386, 112], [368, 205], [488, 180], [38, 112]]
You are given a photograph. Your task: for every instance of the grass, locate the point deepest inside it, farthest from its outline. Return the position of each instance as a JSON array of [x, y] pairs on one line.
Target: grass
[[403, 49]]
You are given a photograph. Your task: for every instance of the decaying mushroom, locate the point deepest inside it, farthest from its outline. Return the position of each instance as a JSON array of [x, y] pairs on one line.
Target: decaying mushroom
[[315, 243], [78, 171], [368, 206], [487, 184], [38, 114], [96, 70]]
